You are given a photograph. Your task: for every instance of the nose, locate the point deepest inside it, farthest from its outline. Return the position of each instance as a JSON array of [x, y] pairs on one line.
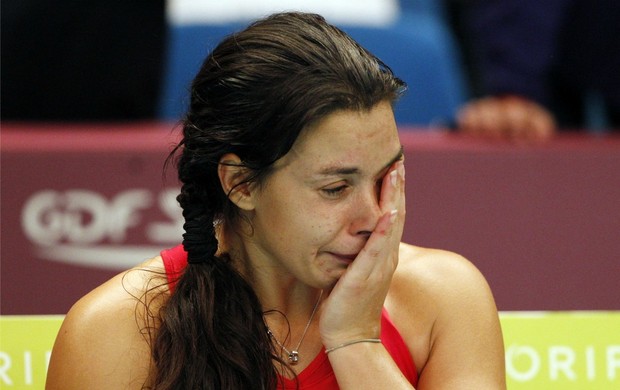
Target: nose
[[365, 211]]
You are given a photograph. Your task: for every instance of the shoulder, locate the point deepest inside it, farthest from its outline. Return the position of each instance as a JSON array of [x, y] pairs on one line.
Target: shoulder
[[432, 285], [104, 340], [445, 310], [437, 272]]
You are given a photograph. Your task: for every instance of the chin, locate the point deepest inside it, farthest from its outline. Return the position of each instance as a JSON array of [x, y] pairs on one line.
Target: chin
[[332, 276]]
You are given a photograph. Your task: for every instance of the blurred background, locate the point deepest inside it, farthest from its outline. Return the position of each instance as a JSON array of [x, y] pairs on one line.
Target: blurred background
[[510, 130], [113, 60]]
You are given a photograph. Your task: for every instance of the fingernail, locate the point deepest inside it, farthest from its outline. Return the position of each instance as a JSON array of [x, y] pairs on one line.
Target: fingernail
[[393, 178], [393, 214]]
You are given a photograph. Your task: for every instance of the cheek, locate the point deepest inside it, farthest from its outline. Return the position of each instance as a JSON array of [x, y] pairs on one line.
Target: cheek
[[321, 227], [303, 224], [301, 219]]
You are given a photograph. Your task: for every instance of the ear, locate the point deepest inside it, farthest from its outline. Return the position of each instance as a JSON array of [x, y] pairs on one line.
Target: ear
[[232, 172]]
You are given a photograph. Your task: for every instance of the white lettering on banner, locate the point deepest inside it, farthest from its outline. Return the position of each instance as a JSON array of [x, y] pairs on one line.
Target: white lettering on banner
[[513, 353], [76, 224], [524, 362], [5, 366], [124, 208], [73, 226], [82, 216], [48, 357], [590, 366], [162, 231], [31, 373], [27, 367], [41, 221], [613, 361], [561, 359]]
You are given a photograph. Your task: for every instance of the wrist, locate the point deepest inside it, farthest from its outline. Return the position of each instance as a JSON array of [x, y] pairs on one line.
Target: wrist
[[349, 343]]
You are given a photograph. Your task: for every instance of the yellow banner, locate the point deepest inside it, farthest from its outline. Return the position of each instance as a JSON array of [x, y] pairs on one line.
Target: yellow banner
[[562, 350], [544, 350], [25, 347]]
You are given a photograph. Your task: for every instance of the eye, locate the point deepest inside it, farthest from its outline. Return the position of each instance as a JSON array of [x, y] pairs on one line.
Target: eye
[[335, 191]]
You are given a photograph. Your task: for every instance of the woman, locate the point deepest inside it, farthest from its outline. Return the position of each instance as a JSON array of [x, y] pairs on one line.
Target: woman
[[291, 271]]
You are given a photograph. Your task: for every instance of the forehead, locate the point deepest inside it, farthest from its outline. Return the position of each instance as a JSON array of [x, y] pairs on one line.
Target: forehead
[[346, 138]]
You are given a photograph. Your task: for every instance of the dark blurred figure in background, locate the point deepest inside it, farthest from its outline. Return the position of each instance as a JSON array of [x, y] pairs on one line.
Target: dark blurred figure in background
[[96, 60], [539, 66]]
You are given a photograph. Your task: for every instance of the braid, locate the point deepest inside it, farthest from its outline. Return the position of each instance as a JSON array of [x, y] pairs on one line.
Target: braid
[[199, 239], [212, 334]]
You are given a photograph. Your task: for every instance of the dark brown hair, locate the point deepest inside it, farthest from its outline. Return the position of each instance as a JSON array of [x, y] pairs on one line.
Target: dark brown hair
[[253, 95]]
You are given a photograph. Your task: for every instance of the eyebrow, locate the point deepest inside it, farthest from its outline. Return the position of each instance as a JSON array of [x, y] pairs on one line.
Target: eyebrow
[[335, 170]]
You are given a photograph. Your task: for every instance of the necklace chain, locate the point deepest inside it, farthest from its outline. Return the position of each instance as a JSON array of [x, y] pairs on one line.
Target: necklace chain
[[293, 355]]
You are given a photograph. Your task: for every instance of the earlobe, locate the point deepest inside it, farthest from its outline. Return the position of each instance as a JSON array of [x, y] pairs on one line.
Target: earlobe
[[232, 173]]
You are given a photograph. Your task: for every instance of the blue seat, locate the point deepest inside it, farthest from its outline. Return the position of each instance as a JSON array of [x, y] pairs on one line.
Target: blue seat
[[188, 46], [418, 48], [435, 8], [421, 51]]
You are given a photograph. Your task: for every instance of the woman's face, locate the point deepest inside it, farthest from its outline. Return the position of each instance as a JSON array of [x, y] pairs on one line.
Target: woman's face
[[314, 213]]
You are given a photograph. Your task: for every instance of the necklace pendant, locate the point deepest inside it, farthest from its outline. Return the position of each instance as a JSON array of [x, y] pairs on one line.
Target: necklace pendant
[[293, 357]]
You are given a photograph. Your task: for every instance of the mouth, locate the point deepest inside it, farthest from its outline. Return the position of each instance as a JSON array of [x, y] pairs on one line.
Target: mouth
[[347, 258]]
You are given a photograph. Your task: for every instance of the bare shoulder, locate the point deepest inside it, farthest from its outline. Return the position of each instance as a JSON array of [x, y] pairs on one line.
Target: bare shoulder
[[438, 286], [431, 283], [103, 341], [437, 271], [445, 310]]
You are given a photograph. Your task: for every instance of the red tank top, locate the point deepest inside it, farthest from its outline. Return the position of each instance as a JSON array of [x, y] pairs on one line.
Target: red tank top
[[319, 374]]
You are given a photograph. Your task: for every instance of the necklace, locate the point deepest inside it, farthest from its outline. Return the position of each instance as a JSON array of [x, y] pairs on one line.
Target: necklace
[[293, 355]]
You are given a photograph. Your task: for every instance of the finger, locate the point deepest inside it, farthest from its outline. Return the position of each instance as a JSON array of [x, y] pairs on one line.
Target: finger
[[392, 199], [388, 197], [517, 117], [527, 121], [469, 119], [542, 124], [387, 234], [482, 118], [400, 204], [493, 121], [465, 119]]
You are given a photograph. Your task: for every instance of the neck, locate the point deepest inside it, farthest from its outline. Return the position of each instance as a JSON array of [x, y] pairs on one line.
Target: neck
[[277, 290], [292, 351]]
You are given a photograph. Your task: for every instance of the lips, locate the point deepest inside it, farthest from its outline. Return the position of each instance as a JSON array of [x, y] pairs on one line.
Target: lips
[[344, 257]]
